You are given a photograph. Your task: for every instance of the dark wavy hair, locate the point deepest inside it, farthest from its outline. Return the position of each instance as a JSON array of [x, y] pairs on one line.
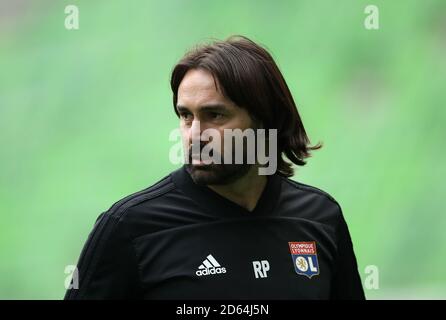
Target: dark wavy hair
[[250, 78]]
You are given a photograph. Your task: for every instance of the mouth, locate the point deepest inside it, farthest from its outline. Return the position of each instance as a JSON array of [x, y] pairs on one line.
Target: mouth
[[198, 162], [195, 158]]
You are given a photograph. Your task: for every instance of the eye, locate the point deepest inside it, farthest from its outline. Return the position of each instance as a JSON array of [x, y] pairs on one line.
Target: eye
[[216, 115], [186, 116]]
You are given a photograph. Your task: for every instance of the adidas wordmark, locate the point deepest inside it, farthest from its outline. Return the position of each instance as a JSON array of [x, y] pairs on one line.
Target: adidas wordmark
[[210, 266]]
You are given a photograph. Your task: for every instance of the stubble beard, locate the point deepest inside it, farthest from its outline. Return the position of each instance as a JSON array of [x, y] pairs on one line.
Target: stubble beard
[[217, 174]]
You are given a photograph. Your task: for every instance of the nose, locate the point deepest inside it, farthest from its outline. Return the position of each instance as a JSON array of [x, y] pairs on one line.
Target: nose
[[195, 132], [195, 127]]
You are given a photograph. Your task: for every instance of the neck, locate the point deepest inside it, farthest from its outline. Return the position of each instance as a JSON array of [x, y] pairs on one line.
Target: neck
[[246, 191]]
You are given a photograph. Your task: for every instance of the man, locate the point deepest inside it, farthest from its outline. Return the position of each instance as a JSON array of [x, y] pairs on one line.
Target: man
[[222, 230]]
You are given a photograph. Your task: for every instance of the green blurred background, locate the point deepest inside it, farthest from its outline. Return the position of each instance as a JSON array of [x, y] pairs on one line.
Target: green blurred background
[[85, 117]]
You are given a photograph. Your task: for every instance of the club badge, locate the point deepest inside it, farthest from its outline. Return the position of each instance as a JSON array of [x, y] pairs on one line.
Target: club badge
[[304, 257]]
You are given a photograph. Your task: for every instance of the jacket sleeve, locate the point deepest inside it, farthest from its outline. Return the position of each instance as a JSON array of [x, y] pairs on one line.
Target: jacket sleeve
[[107, 267], [346, 282]]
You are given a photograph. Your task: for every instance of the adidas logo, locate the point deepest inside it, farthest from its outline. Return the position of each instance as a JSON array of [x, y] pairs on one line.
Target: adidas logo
[[210, 266]]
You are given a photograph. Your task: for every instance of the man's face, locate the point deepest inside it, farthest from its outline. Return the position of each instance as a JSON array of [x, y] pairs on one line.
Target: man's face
[[201, 104]]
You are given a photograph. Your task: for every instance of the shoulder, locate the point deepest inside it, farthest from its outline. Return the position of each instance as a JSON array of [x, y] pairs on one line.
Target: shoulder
[[149, 194], [310, 203], [117, 225], [301, 188], [109, 244], [157, 207]]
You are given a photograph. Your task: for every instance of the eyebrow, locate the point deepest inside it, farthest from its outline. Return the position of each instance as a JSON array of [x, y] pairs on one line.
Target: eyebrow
[[206, 107]]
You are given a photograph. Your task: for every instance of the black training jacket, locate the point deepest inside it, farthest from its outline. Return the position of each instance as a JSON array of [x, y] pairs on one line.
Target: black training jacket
[[178, 240]]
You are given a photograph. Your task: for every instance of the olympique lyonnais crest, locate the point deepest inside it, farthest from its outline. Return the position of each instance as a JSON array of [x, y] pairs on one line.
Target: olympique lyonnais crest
[[304, 257]]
